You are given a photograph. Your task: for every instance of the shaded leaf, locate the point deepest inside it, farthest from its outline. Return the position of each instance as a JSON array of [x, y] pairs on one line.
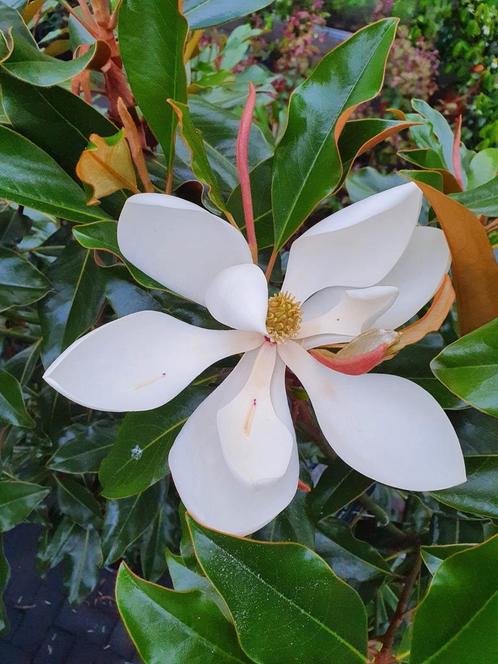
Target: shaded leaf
[[434, 555], [4, 580], [481, 200], [139, 457], [77, 502], [83, 557], [12, 408], [206, 13], [477, 432], [17, 500], [20, 282], [338, 486], [83, 448]]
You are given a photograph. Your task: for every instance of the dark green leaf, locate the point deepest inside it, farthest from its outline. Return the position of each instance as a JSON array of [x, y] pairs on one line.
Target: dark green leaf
[[338, 485], [17, 500], [293, 524], [469, 368], [126, 519], [83, 558], [367, 181], [73, 307], [205, 13], [139, 457], [126, 297], [23, 364], [320, 619], [153, 59], [441, 129], [174, 627], [54, 119], [157, 539], [434, 555], [350, 74], [12, 408], [456, 622], [30, 177], [83, 448], [350, 558], [481, 200], [77, 502], [28, 63], [477, 432], [478, 494], [425, 158], [20, 282]]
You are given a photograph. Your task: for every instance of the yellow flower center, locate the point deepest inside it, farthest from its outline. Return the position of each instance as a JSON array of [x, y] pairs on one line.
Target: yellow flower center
[[284, 317]]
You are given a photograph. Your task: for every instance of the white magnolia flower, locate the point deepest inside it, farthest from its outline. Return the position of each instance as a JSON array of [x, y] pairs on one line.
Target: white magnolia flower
[[235, 462]]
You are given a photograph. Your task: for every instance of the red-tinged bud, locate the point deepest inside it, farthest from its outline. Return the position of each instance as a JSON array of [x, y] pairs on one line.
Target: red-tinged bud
[[302, 486]]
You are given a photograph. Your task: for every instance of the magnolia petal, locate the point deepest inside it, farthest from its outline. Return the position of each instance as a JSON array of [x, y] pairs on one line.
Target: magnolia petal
[[256, 444], [238, 297], [417, 275], [141, 361], [385, 427], [207, 486], [355, 247], [178, 243], [351, 311]]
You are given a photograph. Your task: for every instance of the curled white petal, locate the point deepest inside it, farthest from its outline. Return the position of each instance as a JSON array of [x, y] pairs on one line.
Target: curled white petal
[[417, 275], [350, 311], [141, 361], [386, 427], [355, 247], [212, 493], [238, 297], [178, 243], [256, 444]]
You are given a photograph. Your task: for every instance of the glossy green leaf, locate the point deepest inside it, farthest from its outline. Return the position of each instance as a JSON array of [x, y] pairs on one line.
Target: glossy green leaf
[[350, 74], [76, 501], [166, 626], [206, 13], [477, 432], [293, 524], [17, 500], [364, 182], [434, 555], [4, 580], [103, 236], [73, 306], [441, 130], [153, 59], [317, 613], [139, 457], [12, 408], [351, 559], [423, 157], [126, 519], [199, 161], [160, 536], [23, 364], [30, 177], [55, 119], [478, 494], [20, 282], [469, 368], [83, 448], [126, 297], [30, 64], [456, 622], [481, 200], [338, 485]]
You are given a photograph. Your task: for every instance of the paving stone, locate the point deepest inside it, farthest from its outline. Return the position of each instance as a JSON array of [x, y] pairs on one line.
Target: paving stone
[[83, 652], [15, 617], [9, 654], [55, 648], [120, 642], [96, 626]]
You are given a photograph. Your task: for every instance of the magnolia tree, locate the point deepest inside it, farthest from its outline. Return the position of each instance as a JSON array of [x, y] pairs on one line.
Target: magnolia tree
[[218, 370]]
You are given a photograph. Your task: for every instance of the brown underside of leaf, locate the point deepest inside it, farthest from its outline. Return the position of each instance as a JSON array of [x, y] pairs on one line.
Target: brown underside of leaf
[[106, 168], [474, 268]]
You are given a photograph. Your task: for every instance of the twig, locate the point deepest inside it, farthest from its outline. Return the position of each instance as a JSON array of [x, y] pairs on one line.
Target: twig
[[242, 159], [384, 656]]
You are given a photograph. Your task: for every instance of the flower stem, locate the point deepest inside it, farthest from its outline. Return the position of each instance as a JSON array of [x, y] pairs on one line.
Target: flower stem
[[242, 158], [271, 264]]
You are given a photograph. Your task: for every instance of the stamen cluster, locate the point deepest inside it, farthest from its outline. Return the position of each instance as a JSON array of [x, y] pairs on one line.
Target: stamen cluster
[[284, 317]]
